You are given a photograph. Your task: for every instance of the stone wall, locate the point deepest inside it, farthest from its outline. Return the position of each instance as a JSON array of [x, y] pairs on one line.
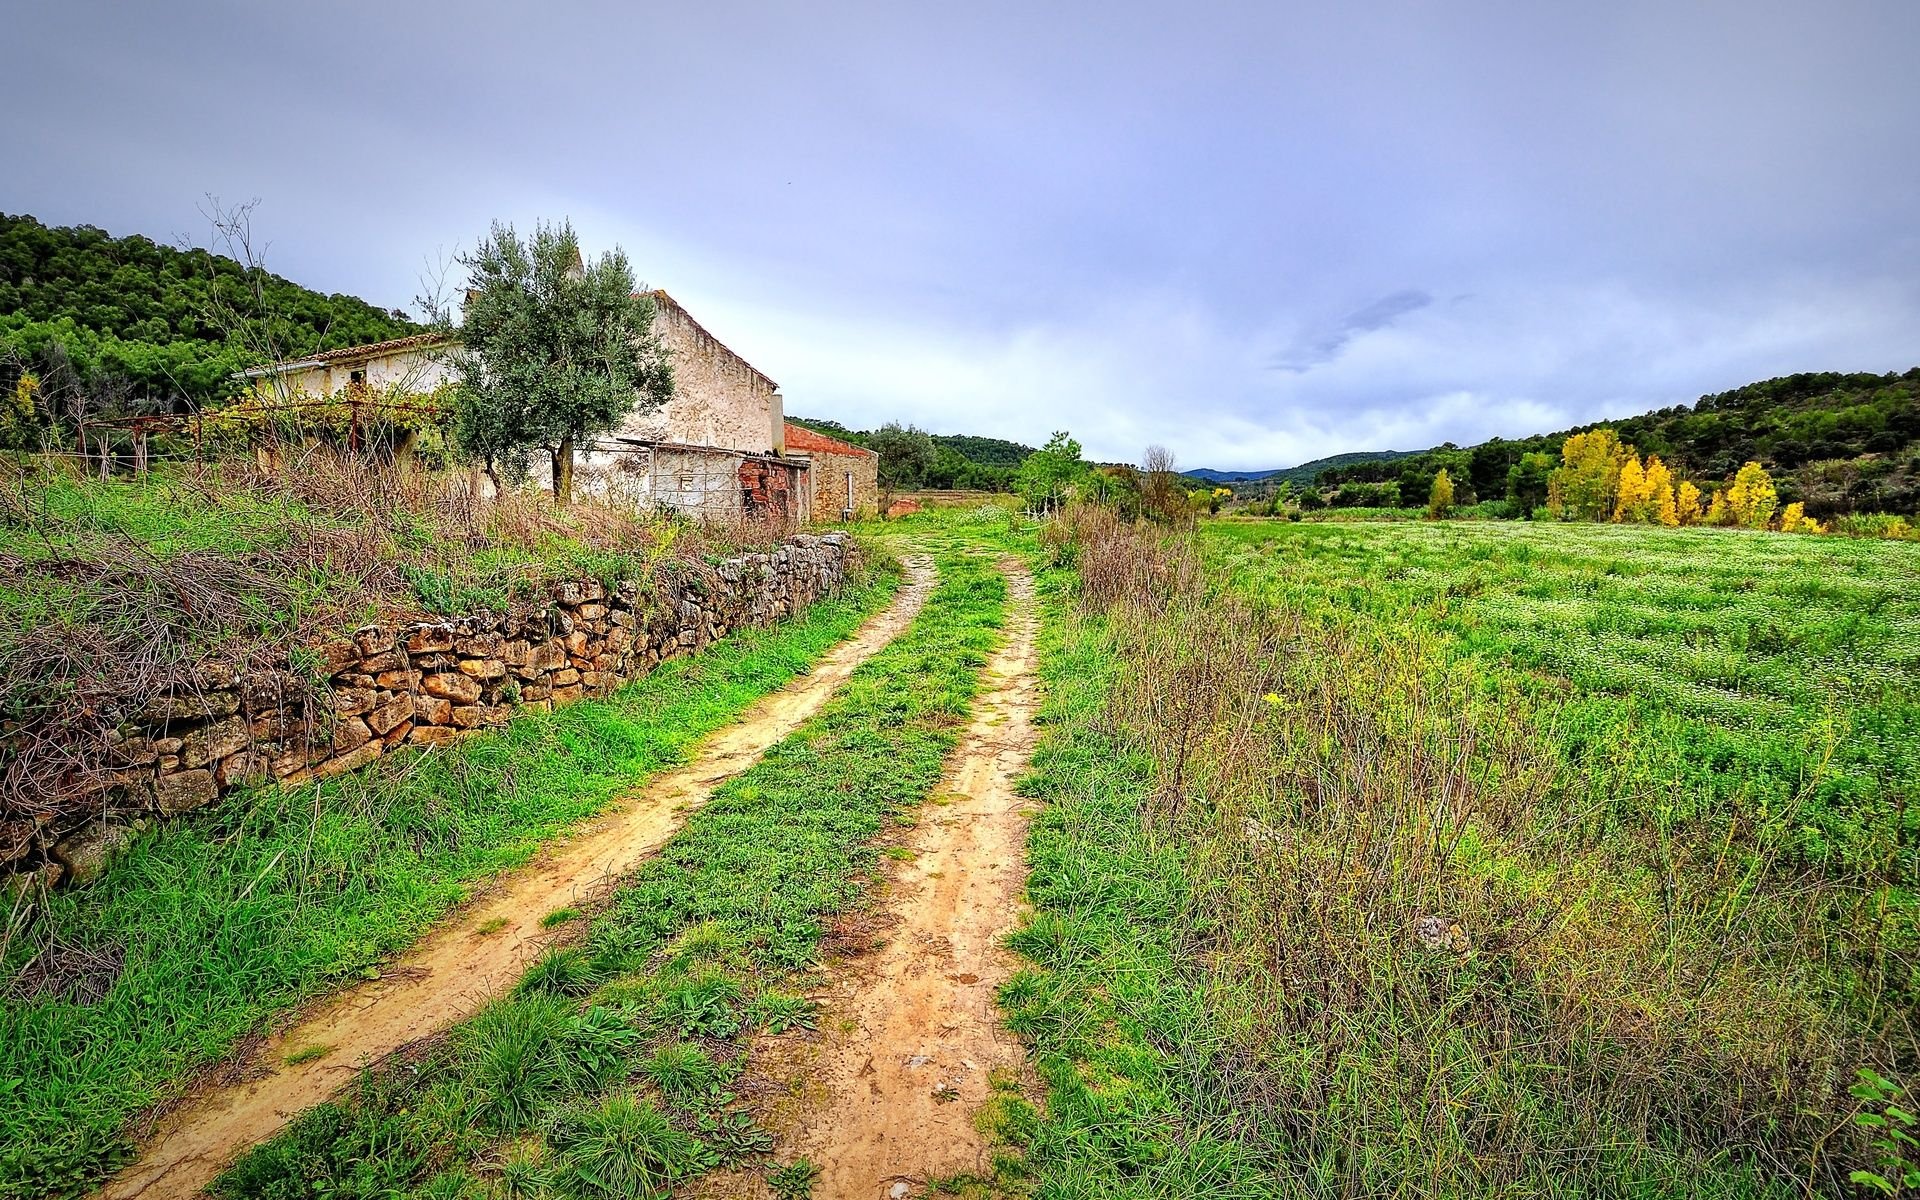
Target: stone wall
[[419, 684], [719, 399]]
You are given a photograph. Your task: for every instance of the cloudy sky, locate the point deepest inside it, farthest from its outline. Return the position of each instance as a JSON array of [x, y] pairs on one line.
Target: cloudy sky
[[1255, 233]]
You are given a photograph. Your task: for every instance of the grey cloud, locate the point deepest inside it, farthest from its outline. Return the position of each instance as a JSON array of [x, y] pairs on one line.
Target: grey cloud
[[1009, 218], [1310, 351]]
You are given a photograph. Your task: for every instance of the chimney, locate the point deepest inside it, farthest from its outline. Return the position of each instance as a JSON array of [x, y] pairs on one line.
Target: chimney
[[779, 423]]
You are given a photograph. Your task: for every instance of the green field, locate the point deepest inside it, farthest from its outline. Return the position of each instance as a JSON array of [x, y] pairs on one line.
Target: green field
[[1647, 792], [1709, 674]]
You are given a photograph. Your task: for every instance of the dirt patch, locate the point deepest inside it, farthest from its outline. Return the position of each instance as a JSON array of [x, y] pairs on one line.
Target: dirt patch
[[886, 1091], [478, 952]]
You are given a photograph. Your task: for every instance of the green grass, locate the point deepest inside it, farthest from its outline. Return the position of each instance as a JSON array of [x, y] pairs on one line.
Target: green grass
[[1113, 1009], [1714, 674], [235, 914], [1661, 780], [610, 1070]]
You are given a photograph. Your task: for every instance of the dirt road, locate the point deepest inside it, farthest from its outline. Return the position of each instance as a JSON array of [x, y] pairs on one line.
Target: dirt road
[[887, 1092], [482, 949]]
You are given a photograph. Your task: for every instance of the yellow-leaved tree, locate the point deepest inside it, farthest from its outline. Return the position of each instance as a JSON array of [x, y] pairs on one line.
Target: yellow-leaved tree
[[1630, 492], [1661, 505], [1440, 499], [1752, 498], [1793, 517], [1583, 487], [1686, 503]]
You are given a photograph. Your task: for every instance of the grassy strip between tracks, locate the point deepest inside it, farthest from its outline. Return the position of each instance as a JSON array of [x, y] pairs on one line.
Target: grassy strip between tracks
[[609, 1071], [213, 925]]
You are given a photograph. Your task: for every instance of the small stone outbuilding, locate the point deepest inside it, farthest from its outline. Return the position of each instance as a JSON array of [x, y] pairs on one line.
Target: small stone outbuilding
[[843, 480]]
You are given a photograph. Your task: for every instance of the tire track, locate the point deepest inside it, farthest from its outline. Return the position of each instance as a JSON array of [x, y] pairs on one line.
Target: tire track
[[886, 1094], [479, 951]]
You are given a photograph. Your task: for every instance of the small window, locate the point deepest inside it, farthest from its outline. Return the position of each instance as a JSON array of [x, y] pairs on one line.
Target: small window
[[357, 378]]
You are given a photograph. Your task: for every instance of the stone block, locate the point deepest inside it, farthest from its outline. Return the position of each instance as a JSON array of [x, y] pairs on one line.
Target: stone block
[[468, 716], [577, 642], [398, 681], [483, 668], [349, 732], [567, 695], [395, 710], [432, 735], [515, 652], [373, 639], [352, 760], [432, 710], [191, 706], [398, 733], [87, 853], [426, 639], [352, 701], [451, 685], [217, 740], [566, 677]]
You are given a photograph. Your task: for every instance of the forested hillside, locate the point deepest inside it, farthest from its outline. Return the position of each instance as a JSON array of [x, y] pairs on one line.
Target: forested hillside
[[1839, 443], [912, 458], [130, 322]]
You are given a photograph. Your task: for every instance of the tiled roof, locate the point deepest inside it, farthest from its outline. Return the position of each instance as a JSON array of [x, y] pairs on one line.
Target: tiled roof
[[356, 353], [802, 439]]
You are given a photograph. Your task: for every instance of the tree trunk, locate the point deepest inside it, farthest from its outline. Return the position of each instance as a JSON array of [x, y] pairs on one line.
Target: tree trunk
[[563, 471]]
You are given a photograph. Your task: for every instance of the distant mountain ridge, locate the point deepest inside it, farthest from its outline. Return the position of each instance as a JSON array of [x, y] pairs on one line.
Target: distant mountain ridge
[[1302, 475]]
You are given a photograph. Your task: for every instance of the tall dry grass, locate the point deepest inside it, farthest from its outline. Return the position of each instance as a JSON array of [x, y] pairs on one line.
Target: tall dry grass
[[1440, 970]]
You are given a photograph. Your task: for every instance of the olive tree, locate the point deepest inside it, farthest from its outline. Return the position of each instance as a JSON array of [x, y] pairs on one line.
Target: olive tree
[[555, 350]]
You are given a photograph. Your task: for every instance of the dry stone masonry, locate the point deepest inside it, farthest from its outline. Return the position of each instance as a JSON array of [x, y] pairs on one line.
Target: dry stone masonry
[[420, 684]]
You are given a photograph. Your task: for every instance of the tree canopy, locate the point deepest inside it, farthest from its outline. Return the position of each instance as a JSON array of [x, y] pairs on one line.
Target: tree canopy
[[959, 460], [139, 322], [1839, 443], [555, 349]]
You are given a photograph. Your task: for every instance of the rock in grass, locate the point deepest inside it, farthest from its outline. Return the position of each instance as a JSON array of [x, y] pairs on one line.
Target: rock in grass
[[87, 854], [1439, 933]]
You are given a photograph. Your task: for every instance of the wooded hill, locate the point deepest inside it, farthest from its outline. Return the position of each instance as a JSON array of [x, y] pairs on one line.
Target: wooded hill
[[1838, 443], [911, 458], [139, 323]]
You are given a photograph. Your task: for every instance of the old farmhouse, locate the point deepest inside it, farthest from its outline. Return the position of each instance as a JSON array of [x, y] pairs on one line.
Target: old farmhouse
[[720, 447]]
